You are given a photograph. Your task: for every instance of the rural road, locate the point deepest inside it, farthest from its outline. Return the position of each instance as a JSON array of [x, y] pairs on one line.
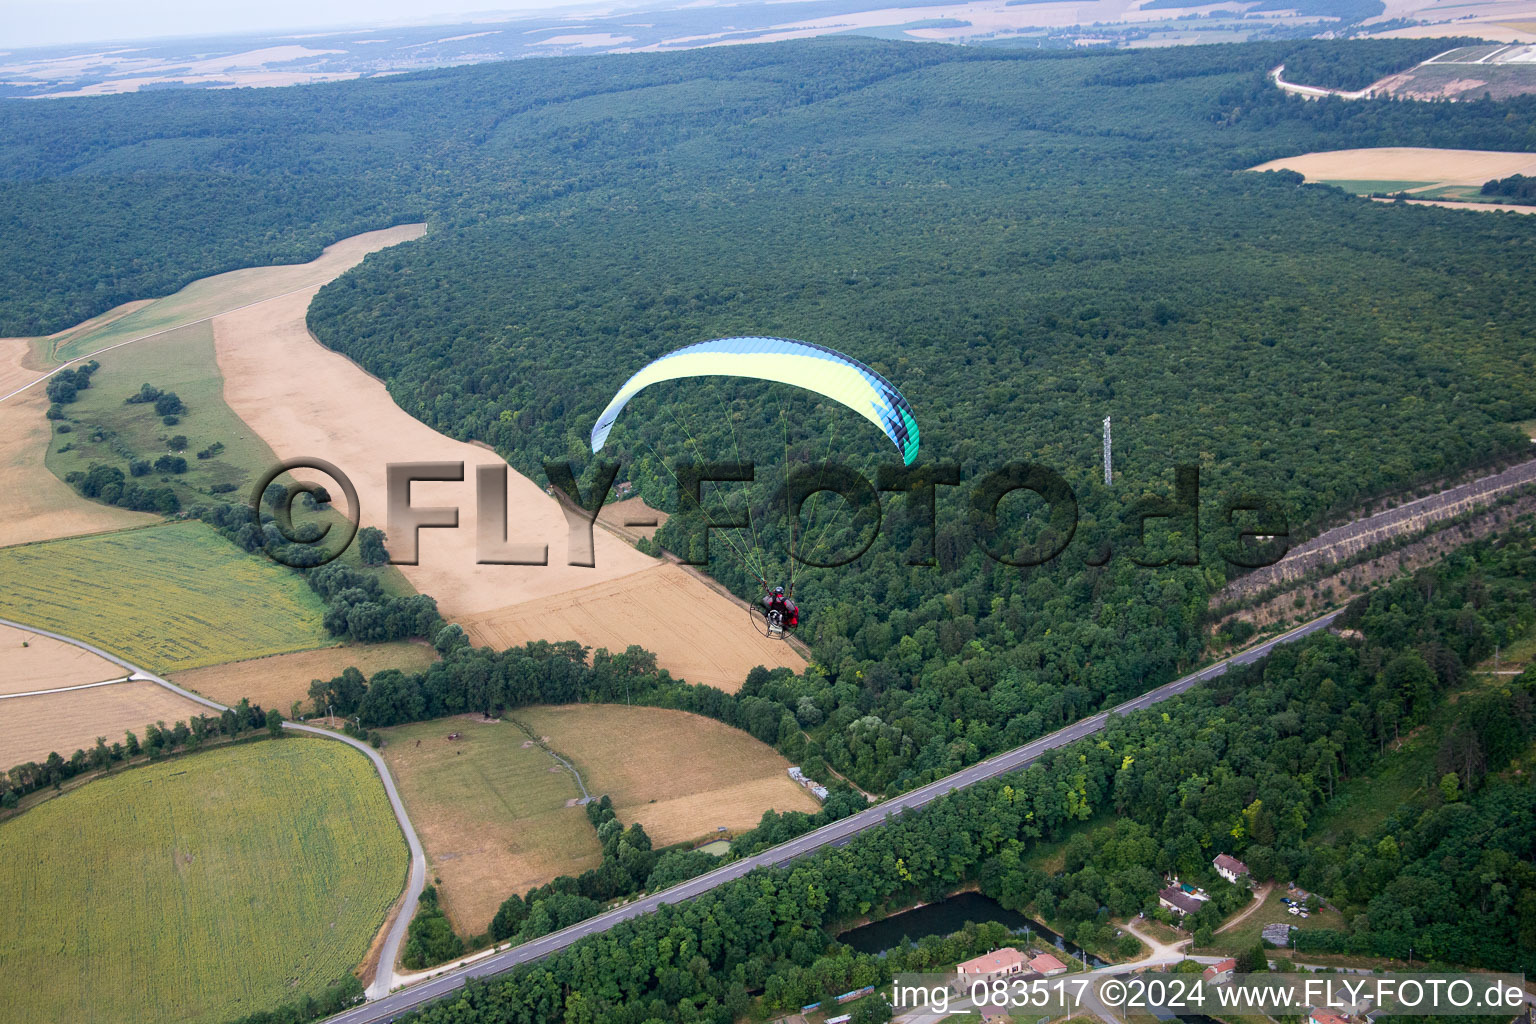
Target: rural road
[[384, 976], [838, 833]]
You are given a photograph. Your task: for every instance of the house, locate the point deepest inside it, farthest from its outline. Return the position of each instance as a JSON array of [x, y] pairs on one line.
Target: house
[[1230, 868], [1000, 963], [1221, 972], [1325, 1017], [1277, 934], [1178, 901], [1047, 965]]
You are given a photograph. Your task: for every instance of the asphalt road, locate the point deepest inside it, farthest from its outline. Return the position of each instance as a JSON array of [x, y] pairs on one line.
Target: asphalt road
[[836, 834], [417, 878]]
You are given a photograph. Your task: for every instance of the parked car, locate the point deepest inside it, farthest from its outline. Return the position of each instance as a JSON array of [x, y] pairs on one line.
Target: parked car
[[1292, 910]]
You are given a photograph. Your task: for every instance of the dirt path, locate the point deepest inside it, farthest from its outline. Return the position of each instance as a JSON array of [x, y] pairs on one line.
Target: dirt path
[[1258, 901]]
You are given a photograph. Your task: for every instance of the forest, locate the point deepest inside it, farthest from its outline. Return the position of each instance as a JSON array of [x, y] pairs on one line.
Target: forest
[[1243, 765]]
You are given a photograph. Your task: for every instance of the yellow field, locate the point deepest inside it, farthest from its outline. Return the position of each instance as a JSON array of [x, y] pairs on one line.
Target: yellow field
[[682, 776], [31, 728], [495, 813], [278, 680], [165, 597], [197, 890], [47, 664]]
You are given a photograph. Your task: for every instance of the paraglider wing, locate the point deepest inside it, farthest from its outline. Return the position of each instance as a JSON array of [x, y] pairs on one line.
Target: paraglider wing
[[798, 363]]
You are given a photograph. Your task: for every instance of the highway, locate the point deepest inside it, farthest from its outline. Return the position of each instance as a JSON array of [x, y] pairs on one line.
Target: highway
[[836, 834]]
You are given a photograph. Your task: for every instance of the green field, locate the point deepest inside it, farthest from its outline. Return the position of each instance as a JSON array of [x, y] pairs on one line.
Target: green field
[[198, 890], [103, 429], [167, 597], [1366, 187]]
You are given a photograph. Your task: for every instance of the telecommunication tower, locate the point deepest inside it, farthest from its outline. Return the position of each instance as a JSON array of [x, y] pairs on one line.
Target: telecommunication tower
[[1108, 466]]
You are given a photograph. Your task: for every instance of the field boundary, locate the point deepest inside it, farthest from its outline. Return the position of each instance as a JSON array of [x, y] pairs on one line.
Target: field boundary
[[67, 689], [564, 762], [417, 877]]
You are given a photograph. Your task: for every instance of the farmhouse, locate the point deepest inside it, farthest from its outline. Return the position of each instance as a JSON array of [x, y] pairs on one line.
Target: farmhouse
[[1000, 963], [1047, 965], [1221, 972], [1178, 901], [1230, 868]]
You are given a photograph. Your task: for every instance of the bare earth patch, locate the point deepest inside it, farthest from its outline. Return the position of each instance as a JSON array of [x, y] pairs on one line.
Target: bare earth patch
[[33, 727], [47, 664], [279, 680], [680, 775]]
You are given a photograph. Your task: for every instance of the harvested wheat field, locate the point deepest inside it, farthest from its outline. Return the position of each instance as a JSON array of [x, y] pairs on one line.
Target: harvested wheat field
[[680, 775], [304, 399], [695, 632], [35, 504], [1410, 164], [31, 728], [48, 664], [495, 813], [279, 680]]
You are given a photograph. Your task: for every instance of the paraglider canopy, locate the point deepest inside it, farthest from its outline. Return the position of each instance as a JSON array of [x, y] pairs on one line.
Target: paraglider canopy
[[798, 363]]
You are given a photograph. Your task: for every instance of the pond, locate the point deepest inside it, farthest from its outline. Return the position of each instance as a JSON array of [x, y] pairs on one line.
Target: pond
[[948, 916]]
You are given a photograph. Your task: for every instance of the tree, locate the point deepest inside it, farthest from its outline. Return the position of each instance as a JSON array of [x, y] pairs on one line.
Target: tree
[[274, 722], [370, 546]]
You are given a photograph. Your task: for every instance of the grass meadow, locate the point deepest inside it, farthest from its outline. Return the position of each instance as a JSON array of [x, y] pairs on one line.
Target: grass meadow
[[200, 889]]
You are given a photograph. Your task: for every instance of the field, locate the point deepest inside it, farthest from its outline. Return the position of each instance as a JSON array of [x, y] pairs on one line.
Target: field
[[47, 664], [34, 727], [1429, 168], [682, 776], [200, 889], [278, 680], [165, 597], [35, 504], [494, 811], [695, 633], [304, 399]]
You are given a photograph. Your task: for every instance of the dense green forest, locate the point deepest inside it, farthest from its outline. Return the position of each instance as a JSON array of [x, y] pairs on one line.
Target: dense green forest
[[1243, 764], [1023, 242]]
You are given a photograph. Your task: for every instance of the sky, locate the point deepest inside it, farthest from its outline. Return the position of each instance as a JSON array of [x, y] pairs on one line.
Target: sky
[[60, 22]]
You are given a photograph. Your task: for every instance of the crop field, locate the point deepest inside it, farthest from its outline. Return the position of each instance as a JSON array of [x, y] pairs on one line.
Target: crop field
[[667, 610], [33, 727], [200, 889], [166, 597], [682, 776], [495, 812], [278, 680], [31, 662], [1406, 163]]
